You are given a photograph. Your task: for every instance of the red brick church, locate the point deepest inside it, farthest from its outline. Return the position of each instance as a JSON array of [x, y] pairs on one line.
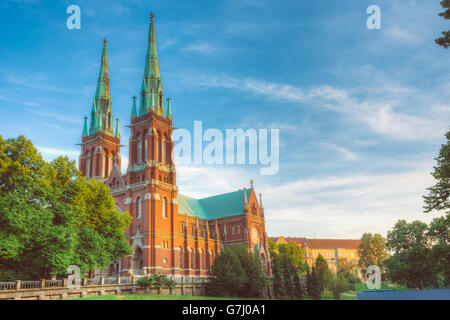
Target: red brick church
[[170, 233]]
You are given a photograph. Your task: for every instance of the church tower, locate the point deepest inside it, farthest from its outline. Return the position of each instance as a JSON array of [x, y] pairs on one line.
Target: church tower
[[151, 176], [100, 145]]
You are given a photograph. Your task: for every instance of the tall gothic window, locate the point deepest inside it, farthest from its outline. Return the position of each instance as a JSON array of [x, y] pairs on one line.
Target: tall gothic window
[[192, 260], [160, 100], [163, 151], [139, 208], [181, 257], [164, 208], [202, 257], [139, 160], [88, 170]]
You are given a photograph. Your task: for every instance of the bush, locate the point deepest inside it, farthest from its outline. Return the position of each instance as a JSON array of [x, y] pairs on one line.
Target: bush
[[146, 283]]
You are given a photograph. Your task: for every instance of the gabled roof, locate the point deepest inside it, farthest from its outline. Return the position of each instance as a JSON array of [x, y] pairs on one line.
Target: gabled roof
[[215, 207], [321, 243]]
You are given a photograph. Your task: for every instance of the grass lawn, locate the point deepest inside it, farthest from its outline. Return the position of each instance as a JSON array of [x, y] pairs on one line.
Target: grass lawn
[[156, 297], [324, 296]]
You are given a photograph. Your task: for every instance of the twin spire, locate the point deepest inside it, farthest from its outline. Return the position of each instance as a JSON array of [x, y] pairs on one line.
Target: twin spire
[[151, 96]]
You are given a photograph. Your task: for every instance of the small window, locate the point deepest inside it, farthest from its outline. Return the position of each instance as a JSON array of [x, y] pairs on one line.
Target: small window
[[139, 208], [164, 208]]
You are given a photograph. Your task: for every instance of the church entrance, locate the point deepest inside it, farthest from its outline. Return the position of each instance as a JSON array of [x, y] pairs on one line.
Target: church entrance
[[137, 261]]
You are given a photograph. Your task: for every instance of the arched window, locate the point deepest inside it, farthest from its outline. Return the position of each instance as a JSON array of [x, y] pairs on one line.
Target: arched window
[[164, 208], [160, 100], [139, 208], [163, 150], [192, 260]]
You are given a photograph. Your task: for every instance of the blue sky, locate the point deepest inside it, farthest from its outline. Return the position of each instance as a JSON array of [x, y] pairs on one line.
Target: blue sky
[[362, 113]]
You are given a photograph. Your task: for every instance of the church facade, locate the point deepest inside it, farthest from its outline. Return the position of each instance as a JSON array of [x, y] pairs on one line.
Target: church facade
[[170, 232]]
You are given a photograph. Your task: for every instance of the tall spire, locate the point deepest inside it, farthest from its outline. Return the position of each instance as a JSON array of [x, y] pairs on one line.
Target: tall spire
[[103, 78], [151, 61], [151, 88]]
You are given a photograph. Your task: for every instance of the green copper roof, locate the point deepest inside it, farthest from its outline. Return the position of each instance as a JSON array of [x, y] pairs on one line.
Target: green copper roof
[[215, 207], [151, 61]]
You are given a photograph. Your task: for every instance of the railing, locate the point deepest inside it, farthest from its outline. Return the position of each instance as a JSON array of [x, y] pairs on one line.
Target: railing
[[8, 285], [30, 284], [54, 283], [61, 283]]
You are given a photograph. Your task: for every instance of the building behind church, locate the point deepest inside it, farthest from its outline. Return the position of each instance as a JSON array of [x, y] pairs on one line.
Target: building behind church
[[332, 250], [170, 233]]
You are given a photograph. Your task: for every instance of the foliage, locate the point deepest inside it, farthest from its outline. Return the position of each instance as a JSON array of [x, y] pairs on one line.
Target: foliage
[[421, 253], [342, 285], [157, 280], [293, 252], [347, 270], [445, 40], [288, 277], [298, 291], [324, 275], [227, 276], [146, 282], [313, 283], [372, 251], [256, 279], [277, 271], [51, 217], [438, 197]]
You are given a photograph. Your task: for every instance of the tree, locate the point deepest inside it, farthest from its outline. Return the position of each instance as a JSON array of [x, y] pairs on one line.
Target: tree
[[411, 262], [51, 217], [445, 40], [438, 197], [256, 279], [438, 231], [347, 270], [313, 283], [298, 290], [342, 285], [277, 271], [324, 274], [372, 251], [287, 277], [227, 276], [293, 252]]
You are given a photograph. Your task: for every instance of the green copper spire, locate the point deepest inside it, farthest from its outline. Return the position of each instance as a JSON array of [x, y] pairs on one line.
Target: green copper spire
[[133, 110], [103, 78], [151, 88], [117, 134], [85, 127], [151, 61], [169, 109]]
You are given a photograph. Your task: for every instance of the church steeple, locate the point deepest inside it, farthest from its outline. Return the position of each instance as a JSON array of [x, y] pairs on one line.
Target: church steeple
[[152, 96], [101, 112]]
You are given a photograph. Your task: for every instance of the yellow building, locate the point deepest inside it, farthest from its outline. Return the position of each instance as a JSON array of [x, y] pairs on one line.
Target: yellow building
[[332, 250]]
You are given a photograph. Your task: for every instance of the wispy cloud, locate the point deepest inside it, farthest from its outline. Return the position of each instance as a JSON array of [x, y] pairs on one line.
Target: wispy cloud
[[381, 115], [49, 153], [202, 48]]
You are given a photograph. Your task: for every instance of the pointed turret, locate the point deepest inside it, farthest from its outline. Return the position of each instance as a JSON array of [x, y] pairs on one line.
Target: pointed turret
[[85, 127], [151, 61], [133, 110], [169, 109], [117, 134], [245, 199]]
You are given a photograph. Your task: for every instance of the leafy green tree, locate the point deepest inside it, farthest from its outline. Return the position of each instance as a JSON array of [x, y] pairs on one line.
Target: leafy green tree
[[411, 262], [256, 279], [372, 251], [445, 40], [293, 252], [438, 197], [146, 283], [227, 276], [51, 217], [438, 231], [347, 269], [342, 285], [277, 271]]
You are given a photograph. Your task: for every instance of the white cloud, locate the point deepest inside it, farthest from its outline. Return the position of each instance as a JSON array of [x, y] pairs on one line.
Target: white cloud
[[202, 48], [51, 153], [383, 115], [328, 206]]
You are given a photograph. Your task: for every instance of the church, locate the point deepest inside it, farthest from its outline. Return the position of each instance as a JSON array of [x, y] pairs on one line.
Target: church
[[170, 233]]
